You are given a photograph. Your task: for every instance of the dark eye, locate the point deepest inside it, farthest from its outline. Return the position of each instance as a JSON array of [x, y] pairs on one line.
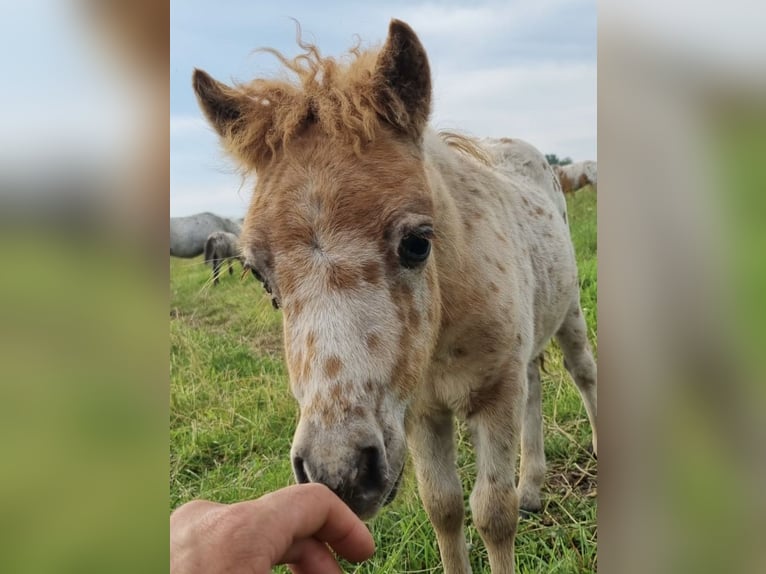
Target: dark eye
[[414, 249]]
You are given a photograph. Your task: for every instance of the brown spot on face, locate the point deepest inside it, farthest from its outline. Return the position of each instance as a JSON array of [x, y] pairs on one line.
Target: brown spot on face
[[332, 367], [518, 338], [506, 140], [458, 352], [371, 272], [494, 288], [524, 200], [287, 279], [358, 412], [342, 276], [295, 308], [336, 393], [372, 341], [331, 407], [413, 318], [311, 350], [539, 211], [305, 370], [500, 266]]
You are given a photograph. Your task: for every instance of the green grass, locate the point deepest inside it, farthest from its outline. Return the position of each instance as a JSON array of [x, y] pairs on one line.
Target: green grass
[[232, 419]]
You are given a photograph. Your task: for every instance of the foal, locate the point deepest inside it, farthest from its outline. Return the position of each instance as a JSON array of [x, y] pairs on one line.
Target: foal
[[418, 282]]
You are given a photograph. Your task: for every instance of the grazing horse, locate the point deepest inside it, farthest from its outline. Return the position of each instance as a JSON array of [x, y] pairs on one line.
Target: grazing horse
[[418, 281], [188, 234], [220, 247], [577, 175]]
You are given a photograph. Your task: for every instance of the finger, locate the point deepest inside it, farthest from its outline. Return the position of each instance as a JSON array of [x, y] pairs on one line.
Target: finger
[[310, 556], [332, 522], [312, 510], [193, 509]]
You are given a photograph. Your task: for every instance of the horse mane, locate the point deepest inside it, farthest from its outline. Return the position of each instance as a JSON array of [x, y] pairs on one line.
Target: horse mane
[[466, 145], [337, 95]]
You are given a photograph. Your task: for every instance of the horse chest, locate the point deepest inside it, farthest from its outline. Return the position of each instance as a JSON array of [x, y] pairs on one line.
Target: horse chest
[[470, 365]]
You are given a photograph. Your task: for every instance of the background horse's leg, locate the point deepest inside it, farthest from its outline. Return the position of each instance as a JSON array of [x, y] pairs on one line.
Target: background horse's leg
[[532, 473], [431, 442], [494, 501], [578, 360]]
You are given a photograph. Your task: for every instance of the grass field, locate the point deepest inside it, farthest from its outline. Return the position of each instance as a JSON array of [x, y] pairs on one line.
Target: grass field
[[232, 419]]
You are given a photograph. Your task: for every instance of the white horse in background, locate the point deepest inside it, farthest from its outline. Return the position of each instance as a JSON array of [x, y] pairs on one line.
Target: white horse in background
[[188, 234], [577, 175]]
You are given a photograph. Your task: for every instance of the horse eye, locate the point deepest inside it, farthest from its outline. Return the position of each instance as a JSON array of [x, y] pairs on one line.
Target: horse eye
[[413, 250]]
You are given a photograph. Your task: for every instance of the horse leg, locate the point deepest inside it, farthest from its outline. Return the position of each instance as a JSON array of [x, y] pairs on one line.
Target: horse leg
[[572, 337], [431, 442], [532, 472], [494, 500]]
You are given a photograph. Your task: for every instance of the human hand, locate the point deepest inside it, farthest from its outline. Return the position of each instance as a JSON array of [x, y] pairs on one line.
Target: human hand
[[291, 526]]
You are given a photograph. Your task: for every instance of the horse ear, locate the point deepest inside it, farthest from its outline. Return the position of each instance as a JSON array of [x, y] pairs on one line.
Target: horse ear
[[221, 104], [403, 81]]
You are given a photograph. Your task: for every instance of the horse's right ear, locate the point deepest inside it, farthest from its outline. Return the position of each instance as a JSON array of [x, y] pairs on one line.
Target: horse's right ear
[[222, 105]]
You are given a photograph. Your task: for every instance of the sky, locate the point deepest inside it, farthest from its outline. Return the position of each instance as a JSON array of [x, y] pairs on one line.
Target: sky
[[520, 68]]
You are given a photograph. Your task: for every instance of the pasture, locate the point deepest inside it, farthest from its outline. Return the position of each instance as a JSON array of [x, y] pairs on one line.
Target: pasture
[[232, 418]]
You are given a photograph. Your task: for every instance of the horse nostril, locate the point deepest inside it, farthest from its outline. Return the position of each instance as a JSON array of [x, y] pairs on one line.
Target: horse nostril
[[369, 475], [300, 470]]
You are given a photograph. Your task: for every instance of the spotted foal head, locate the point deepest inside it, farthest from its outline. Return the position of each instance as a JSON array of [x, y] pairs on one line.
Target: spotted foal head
[[340, 231]]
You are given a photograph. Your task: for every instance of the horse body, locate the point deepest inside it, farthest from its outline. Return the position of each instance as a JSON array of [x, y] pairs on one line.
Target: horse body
[[577, 175], [420, 278], [188, 234], [220, 247], [511, 286]]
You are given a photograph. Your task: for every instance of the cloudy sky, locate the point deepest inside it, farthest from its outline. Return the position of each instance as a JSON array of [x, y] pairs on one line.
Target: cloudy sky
[[514, 68]]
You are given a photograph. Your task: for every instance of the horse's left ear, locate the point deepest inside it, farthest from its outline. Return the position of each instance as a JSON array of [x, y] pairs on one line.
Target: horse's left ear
[[403, 81]]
